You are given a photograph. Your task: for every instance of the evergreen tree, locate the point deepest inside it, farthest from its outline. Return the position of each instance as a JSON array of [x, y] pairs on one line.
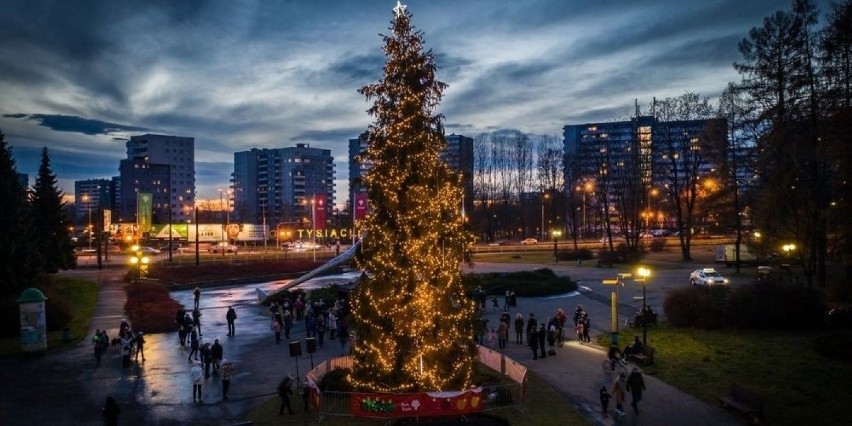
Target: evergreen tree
[[20, 266], [50, 224], [413, 320]]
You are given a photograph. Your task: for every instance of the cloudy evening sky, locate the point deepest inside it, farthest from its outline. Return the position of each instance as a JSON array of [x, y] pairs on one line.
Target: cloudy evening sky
[[81, 76]]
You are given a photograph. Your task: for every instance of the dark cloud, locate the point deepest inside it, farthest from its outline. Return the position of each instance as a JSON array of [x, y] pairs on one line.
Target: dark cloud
[[358, 69], [74, 124], [331, 135]]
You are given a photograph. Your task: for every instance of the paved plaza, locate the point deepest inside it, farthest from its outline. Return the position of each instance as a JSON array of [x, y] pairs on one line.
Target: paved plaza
[[65, 387]]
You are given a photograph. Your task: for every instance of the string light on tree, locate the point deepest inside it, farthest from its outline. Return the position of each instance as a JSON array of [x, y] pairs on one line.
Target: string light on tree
[[414, 322]]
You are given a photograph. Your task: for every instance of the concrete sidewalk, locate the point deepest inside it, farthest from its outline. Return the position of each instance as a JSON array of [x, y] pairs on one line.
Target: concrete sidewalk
[[65, 388]]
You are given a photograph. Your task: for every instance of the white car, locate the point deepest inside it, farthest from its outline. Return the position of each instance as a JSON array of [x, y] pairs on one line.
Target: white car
[[223, 248], [707, 276], [146, 250], [532, 241]]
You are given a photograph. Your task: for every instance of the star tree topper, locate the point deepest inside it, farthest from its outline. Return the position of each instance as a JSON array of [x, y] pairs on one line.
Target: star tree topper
[[399, 9]]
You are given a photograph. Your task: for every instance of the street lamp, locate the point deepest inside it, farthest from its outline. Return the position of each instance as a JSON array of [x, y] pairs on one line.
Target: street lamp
[[89, 209], [545, 196], [141, 262], [644, 273], [787, 249], [556, 234]]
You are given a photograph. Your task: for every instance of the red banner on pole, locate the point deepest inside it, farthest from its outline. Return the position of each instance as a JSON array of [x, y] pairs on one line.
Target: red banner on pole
[[416, 404], [320, 208], [360, 205]]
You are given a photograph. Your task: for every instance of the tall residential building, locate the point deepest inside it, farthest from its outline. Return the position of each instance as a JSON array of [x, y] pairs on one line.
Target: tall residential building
[[276, 184], [458, 155], [90, 196], [597, 146], [163, 166]]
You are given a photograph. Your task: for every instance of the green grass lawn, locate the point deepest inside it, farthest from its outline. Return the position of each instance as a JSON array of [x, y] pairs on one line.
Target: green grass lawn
[[799, 385], [543, 406], [82, 296]]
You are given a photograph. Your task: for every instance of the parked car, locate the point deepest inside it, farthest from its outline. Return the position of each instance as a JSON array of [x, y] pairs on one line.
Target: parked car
[[706, 276], [145, 250], [222, 248], [174, 246], [532, 241]]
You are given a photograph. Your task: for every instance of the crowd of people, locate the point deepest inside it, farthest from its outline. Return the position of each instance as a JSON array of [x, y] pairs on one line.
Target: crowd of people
[[131, 344]]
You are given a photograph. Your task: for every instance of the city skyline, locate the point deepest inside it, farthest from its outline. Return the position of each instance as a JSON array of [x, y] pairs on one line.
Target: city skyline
[[82, 77]]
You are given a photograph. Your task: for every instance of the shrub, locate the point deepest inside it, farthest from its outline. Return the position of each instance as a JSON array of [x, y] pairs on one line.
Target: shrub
[[581, 254], [150, 308], [657, 245], [761, 305], [540, 282], [771, 305], [702, 307]]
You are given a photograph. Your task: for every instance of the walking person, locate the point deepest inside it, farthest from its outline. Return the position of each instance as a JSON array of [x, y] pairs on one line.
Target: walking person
[[139, 341], [288, 324], [196, 376], [285, 393], [519, 329], [193, 345], [635, 384], [604, 396], [619, 392], [532, 326], [231, 316], [206, 359], [587, 325], [502, 334], [196, 320], [542, 339], [196, 295], [320, 330], [216, 352], [111, 411], [332, 324], [98, 348], [532, 341], [181, 314], [276, 328], [225, 373]]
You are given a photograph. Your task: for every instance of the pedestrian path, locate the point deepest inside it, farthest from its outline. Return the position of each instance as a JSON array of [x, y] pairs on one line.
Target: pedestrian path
[[64, 387]]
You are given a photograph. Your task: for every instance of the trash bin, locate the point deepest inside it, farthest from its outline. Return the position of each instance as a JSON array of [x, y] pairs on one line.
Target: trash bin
[[66, 334]]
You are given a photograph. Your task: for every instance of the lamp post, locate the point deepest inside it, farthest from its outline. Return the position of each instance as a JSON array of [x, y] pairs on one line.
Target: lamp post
[[556, 234], [139, 261], [544, 196], [787, 249], [644, 273], [86, 199]]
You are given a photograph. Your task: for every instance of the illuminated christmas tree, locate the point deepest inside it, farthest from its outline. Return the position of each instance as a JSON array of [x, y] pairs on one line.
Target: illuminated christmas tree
[[413, 319]]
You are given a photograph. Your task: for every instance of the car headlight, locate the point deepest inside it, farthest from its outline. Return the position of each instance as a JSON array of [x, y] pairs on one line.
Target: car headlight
[[725, 280]]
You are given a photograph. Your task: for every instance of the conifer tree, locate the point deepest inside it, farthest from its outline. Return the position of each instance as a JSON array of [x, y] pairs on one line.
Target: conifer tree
[[413, 320], [50, 224], [21, 262]]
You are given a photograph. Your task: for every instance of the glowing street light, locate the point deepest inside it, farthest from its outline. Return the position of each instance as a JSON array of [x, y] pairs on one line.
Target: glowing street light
[[140, 261], [644, 273]]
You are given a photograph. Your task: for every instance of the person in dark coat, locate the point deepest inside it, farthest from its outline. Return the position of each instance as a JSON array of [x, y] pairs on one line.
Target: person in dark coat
[[193, 345], [196, 295], [231, 316], [532, 326], [532, 341], [542, 339], [179, 321], [635, 384], [604, 396], [216, 354], [111, 411], [196, 320], [519, 329], [285, 393]]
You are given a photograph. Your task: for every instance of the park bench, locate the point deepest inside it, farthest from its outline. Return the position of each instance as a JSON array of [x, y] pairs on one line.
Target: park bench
[[639, 320], [745, 401], [646, 355]]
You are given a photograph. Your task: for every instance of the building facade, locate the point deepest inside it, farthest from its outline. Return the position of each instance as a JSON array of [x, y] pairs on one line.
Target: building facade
[[163, 166], [644, 156], [458, 155], [276, 185], [90, 197]]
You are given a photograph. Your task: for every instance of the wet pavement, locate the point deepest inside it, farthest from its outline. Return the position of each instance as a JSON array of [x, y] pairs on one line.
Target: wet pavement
[[65, 387]]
